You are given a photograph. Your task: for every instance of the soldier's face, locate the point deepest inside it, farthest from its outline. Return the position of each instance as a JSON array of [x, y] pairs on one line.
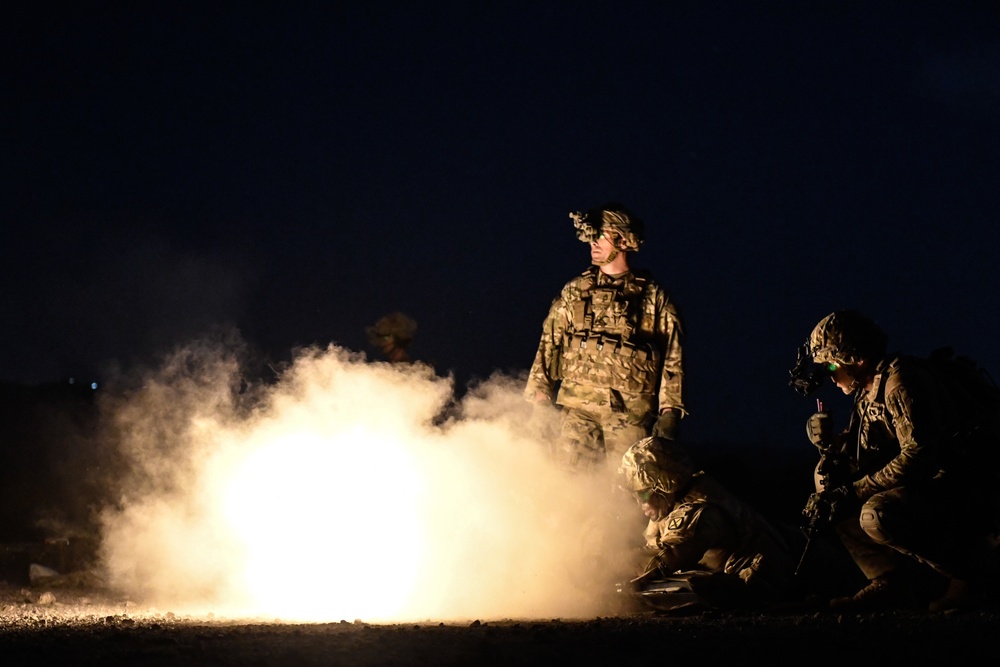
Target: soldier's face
[[602, 251], [849, 378], [387, 343], [841, 378], [655, 506]]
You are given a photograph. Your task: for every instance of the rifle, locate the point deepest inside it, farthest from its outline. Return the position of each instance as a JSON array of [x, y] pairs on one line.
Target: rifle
[[834, 471], [819, 513]]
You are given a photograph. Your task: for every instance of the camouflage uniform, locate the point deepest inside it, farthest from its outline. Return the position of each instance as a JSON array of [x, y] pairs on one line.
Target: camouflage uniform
[[920, 498], [708, 528], [611, 356], [915, 490]]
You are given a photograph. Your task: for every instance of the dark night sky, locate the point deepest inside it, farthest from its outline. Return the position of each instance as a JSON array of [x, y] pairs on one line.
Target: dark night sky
[[298, 171]]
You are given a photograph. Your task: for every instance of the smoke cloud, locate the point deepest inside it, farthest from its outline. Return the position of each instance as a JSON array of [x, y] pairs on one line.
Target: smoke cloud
[[351, 489]]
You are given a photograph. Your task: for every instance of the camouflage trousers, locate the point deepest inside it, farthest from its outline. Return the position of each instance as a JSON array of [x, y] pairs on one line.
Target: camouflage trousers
[[594, 441], [938, 523]]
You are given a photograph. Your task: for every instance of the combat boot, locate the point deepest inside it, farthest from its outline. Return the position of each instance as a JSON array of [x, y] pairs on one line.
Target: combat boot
[[959, 595], [884, 592]]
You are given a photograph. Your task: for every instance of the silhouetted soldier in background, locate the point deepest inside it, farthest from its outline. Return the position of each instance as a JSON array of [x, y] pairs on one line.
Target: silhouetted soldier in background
[[392, 335]]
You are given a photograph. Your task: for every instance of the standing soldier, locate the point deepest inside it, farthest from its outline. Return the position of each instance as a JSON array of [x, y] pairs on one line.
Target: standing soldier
[[912, 482], [610, 352]]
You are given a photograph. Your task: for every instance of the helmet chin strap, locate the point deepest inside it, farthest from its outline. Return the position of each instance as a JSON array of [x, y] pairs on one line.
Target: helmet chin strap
[[611, 257], [855, 382]]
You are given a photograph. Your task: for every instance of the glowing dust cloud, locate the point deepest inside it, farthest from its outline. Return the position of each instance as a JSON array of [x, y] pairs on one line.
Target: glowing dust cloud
[[349, 490], [273, 504]]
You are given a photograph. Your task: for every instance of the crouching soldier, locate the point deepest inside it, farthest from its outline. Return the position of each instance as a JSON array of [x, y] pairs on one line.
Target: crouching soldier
[[704, 542]]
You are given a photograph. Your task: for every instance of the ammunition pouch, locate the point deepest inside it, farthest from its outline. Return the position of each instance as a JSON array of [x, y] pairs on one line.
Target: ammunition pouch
[[555, 364], [607, 360]]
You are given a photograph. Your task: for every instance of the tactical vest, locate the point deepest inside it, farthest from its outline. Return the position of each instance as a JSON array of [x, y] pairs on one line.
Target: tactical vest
[[604, 345], [975, 423], [872, 427], [970, 408]]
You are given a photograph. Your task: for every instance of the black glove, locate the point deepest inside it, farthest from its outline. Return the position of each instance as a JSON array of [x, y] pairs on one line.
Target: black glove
[[819, 430], [666, 425], [834, 470]]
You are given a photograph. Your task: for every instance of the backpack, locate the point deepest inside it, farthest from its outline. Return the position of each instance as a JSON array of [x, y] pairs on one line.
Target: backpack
[[975, 402]]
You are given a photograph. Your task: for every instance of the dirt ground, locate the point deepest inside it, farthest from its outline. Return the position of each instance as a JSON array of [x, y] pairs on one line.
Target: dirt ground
[[80, 624], [61, 625]]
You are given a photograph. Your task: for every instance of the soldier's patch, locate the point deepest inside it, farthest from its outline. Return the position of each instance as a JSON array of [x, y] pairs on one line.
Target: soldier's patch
[[680, 523]]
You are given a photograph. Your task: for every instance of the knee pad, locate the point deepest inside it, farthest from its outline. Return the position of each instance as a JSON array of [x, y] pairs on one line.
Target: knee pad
[[873, 520]]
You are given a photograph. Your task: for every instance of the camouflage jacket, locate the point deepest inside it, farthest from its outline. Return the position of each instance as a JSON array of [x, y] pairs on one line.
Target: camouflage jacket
[[711, 529], [900, 431], [610, 344]]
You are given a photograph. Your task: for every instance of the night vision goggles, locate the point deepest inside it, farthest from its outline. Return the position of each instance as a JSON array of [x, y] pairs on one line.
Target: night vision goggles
[[807, 375], [588, 225]]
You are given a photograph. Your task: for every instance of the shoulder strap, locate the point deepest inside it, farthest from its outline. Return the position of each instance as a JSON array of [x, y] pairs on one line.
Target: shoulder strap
[[589, 280]]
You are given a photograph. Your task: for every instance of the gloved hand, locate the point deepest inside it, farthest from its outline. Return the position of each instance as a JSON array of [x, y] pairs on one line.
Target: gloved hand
[[829, 506], [819, 430], [666, 425]]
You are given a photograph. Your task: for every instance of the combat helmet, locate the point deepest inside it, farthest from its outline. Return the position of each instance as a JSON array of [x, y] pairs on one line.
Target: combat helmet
[[395, 325], [656, 464], [846, 337], [628, 227]]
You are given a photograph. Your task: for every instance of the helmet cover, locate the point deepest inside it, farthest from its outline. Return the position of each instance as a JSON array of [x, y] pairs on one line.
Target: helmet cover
[[613, 218], [394, 325], [846, 337], [655, 464]]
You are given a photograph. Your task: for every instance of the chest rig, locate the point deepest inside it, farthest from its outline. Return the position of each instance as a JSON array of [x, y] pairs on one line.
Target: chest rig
[[605, 344], [875, 431], [968, 422]]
